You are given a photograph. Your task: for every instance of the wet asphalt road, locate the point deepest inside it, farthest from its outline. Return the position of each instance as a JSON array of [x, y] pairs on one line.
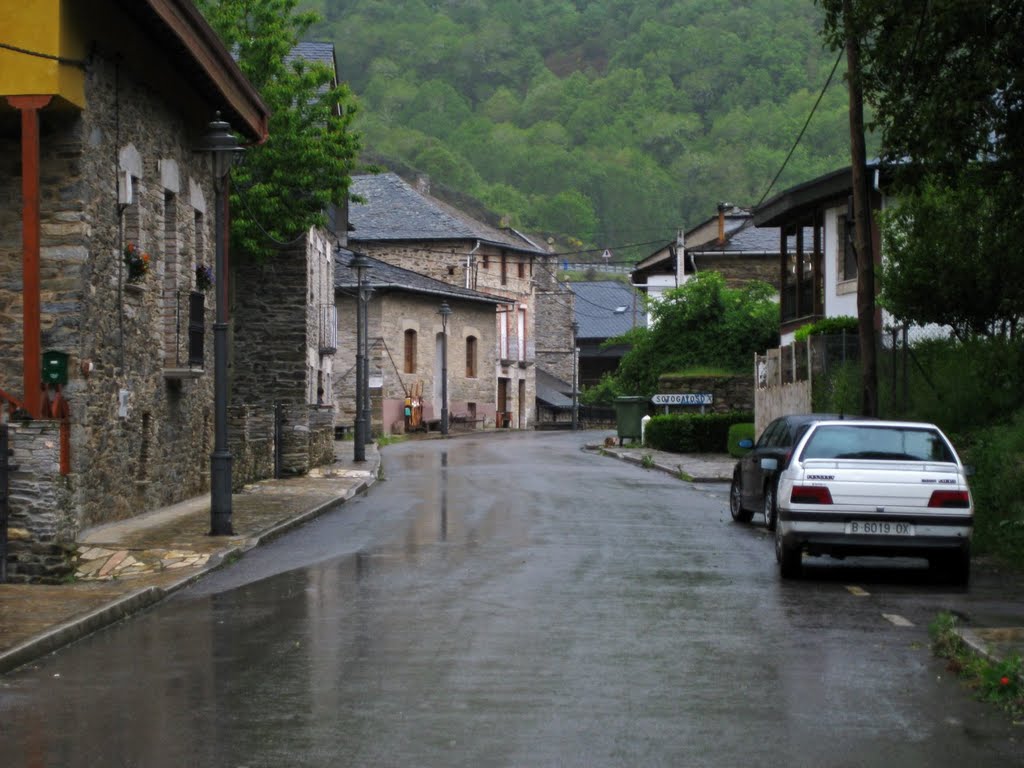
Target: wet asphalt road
[[513, 601]]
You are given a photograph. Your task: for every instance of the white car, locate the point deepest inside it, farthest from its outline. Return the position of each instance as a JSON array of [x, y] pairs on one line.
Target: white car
[[866, 487]]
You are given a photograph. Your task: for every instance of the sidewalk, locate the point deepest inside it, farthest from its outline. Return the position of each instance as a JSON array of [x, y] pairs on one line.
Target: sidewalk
[[126, 566]]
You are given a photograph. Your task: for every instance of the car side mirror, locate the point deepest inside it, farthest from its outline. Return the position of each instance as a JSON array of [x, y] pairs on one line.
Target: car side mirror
[[769, 465], [746, 443]]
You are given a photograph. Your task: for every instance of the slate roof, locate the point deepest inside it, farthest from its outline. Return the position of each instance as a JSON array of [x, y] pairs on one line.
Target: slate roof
[[395, 211], [551, 390], [745, 238], [596, 305], [313, 51], [384, 277]]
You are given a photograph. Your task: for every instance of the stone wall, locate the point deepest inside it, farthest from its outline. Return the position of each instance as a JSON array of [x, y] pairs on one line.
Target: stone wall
[[554, 317], [390, 314], [41, 517], [280, 355], [729, 393]]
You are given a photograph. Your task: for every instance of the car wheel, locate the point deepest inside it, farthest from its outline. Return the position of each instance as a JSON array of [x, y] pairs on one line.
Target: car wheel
[[789, 557], [771, 509], [739, 514]]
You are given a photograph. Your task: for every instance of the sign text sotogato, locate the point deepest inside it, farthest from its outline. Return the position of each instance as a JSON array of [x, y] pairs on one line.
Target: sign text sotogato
[[693, 398]]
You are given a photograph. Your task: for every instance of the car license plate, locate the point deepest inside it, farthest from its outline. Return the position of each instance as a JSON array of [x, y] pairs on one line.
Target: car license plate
[[880, 528]]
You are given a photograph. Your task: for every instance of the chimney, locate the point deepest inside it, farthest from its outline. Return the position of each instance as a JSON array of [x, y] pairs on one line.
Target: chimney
[[722, 207], [423, 184]]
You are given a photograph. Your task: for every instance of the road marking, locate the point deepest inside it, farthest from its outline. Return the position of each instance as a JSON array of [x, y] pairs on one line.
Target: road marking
[[858, 592], [898, 620]]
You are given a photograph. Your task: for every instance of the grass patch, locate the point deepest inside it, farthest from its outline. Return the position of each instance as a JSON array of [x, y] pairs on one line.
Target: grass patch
[[1000, 683], [647, 461]]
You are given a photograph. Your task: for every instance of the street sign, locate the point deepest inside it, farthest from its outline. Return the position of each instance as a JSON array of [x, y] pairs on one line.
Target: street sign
[[692, 398]]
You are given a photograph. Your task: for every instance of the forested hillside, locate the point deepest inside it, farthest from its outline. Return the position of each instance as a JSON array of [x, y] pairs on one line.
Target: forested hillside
[[612, 121]]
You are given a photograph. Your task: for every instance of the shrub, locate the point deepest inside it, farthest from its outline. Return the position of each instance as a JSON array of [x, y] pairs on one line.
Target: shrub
[[697, 433], [828, 326], [737, 432]]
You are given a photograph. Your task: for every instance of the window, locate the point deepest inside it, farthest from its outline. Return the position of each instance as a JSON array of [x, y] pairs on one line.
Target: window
[[521, 266], [485, 261], [504, 269], [521, 333], [846, 254], [471, 357], [410, 351]]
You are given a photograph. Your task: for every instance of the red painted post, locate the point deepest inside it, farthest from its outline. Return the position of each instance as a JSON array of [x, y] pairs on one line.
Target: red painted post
[[32, 376]]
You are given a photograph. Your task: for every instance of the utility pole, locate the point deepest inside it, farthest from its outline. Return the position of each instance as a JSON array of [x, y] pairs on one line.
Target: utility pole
[[863, 243]]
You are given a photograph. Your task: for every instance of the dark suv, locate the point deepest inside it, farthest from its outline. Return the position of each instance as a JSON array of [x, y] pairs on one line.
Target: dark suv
[[753, 486]]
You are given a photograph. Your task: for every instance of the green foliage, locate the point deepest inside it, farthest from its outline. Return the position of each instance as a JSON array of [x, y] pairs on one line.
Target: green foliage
[[827, 326], [285, 185], [703, 323], [999, 682], [697, 433], [838, 390], [612, 102], [737, 432], [952, 255], [997, 486], [602, 393]]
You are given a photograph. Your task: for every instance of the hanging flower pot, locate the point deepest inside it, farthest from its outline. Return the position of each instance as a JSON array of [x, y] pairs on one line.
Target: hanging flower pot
[[137, 263]]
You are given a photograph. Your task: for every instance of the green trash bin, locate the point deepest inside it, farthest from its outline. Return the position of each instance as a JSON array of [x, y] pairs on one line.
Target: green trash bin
[[629, 414]]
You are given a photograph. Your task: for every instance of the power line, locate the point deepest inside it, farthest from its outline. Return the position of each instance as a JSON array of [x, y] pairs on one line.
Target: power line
[[806, 123]]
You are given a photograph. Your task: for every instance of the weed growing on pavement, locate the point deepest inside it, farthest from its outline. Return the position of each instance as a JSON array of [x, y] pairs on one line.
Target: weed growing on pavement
[[684, 476], [390, 439], [1000, 682], [647, 461]]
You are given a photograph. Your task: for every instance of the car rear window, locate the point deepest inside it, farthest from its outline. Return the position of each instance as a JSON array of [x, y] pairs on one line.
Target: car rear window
[[886, 443]]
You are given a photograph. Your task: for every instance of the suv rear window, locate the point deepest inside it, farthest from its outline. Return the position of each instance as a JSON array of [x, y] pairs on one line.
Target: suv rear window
[[887, 443]]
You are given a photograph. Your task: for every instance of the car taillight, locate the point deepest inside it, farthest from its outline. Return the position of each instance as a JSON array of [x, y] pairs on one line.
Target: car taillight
[[959, 499], [810, 494]]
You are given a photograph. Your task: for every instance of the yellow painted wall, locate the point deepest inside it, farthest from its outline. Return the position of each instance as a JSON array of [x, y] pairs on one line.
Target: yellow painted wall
[[42, 26]]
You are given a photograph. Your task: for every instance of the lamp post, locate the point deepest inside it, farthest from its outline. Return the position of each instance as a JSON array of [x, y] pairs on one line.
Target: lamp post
[[575, 377], [224, 151], [360, 264], [445, 311], [364, 305]]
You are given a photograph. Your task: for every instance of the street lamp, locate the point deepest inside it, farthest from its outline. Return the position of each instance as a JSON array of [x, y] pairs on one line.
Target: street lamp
[[445, 311], [224, 151], [575, 377], [360, 264]]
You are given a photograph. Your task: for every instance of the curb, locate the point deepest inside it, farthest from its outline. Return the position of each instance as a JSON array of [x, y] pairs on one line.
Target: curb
[[75, 629]]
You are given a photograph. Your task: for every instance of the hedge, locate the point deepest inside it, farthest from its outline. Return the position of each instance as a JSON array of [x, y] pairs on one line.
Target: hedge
[[697, 433]]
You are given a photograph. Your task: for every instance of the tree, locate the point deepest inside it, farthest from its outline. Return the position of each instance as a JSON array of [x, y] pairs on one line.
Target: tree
[[284, 186], [946, 79], [952, 259], [703, 323]]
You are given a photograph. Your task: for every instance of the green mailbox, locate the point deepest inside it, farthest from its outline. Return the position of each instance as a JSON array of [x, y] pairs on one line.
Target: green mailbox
[[629, 414], [55, 367]]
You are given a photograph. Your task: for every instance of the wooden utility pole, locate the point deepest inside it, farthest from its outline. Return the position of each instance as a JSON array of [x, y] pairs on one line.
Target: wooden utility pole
[[863, 242]]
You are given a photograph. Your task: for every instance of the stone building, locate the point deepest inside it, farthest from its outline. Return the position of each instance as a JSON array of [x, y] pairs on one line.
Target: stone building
[[407, 227], [283, 343], [404, 328], [728, 243], [100, 111]]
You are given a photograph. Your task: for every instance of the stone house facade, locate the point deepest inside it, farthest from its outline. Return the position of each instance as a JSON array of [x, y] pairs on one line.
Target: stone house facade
[[405, 226], [404, 328], [108, 125]]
